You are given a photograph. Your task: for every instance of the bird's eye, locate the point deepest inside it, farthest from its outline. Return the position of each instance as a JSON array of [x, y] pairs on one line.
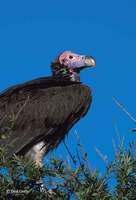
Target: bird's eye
[[70, 57]]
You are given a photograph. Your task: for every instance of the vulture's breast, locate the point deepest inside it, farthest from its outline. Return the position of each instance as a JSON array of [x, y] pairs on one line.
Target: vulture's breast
[[61, 102]]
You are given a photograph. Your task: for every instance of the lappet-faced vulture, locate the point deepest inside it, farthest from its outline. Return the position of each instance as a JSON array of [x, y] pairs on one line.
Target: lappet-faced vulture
[[35, 116]]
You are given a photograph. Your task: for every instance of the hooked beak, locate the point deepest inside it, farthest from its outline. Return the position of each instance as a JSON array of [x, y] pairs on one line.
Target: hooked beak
[[86, 61], [89, 61]]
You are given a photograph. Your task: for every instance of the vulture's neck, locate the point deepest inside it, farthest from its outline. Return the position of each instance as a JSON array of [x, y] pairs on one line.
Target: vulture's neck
[[60, 71]]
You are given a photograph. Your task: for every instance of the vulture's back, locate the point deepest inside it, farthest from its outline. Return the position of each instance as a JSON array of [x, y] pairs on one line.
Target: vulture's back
[[40, 110]]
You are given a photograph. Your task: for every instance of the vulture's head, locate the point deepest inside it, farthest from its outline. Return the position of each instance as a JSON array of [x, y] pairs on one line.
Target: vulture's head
[[69, 65]]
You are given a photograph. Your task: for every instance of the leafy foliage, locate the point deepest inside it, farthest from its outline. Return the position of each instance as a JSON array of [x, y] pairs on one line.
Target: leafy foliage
[[55, 180], [22, 179], [123, 169]]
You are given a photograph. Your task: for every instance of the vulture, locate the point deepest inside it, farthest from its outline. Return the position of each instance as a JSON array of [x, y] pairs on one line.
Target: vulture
[[35, 116]]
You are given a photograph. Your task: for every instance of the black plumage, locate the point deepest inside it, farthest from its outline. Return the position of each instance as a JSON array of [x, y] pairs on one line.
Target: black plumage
[[40, 111]]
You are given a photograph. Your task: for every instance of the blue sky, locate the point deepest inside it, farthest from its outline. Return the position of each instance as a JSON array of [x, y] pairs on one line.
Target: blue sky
[[33, 33]]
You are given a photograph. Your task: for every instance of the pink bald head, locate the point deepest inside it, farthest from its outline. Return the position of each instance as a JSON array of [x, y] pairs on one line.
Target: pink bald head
[[73, 60]]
